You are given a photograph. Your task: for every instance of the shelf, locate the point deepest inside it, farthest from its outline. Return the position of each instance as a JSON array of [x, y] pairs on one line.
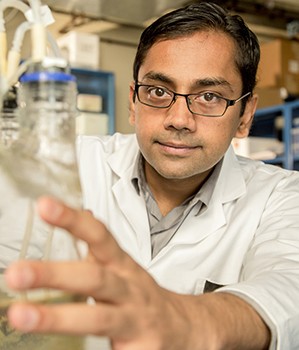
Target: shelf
[[264, 125], [102, 83]]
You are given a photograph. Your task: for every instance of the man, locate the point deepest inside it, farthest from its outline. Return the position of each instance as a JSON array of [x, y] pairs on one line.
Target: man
[[204, 246]]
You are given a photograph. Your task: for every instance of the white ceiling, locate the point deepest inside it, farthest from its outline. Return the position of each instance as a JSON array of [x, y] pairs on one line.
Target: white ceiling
[[120, 18], [132, 12], [268, 18]]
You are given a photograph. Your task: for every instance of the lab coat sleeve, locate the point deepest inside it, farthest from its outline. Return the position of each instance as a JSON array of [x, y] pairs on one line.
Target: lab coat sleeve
[[270, 274]]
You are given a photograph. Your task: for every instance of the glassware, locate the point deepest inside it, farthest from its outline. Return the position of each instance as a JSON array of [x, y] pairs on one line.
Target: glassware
[[39, 159], [9, 126], [45, 150]]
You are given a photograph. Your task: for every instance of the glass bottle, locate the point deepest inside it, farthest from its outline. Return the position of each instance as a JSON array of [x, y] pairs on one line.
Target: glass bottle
[[45, 149], [42, 160]]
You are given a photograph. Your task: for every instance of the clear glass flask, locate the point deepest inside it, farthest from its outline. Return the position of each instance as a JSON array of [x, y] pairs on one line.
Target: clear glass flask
[[45, 149], [41, 160]]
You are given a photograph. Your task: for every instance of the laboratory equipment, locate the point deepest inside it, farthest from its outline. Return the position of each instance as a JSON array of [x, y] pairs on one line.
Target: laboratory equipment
[[45, 149], [38, 157], [41, 159], [9, 125]]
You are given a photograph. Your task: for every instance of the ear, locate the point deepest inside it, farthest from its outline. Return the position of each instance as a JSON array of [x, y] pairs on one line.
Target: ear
[[132, 98], [247, 117]]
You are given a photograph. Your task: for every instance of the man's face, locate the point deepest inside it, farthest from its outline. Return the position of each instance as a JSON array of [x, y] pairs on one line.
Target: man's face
[[175, 143]]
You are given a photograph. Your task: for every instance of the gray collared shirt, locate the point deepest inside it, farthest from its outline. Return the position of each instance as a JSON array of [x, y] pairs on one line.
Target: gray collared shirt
[[163, 228]]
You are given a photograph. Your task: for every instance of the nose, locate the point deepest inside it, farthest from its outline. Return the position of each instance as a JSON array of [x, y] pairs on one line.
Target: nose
[[178, 115]]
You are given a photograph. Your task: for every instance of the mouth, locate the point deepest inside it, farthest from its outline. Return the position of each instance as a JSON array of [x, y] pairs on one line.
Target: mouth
[[177, 148]]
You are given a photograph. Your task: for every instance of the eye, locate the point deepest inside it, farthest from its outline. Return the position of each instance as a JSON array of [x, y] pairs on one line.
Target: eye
[[209, 97], [157, 92]]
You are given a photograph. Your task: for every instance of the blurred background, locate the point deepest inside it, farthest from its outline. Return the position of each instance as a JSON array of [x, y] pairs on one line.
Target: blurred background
[[99, 37]]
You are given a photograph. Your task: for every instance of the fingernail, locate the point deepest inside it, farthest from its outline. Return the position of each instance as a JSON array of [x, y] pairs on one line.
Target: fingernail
[[19, 277], [23, 317]]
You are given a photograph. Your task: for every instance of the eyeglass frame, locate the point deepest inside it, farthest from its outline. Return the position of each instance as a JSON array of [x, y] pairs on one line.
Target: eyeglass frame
[[229, 102]]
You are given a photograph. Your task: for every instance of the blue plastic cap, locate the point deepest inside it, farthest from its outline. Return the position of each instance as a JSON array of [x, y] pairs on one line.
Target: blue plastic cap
[[46, 76]]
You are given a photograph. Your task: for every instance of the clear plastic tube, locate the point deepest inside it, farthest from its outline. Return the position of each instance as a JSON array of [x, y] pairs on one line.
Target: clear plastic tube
[[19, 36], [38, 39], [20, 5], [22, 68], [3, 51], [14, 54], [36, 9], [17, 4], [53, 45], [39, 48]]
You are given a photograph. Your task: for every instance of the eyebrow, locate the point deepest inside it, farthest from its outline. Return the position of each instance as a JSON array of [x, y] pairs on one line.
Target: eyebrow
[[199, 83], [213, 81], [158, 77]]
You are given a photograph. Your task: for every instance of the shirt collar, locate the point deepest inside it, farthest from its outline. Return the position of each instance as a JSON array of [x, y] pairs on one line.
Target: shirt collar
[[203, 195]]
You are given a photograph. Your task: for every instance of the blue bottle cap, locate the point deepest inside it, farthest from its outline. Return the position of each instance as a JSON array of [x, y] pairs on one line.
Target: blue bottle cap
[[46, 76]]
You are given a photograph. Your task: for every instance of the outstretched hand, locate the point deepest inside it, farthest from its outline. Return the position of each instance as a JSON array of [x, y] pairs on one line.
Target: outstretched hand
[[130, 308]]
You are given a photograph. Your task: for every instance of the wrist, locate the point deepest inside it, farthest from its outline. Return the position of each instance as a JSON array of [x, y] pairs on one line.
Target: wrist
[[218, 321]]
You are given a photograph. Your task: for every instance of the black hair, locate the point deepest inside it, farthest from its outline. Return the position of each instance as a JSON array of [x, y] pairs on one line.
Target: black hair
[[205, 16]]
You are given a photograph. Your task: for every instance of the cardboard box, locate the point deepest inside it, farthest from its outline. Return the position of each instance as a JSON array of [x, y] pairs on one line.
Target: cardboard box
[[262, 148], [270, 96], [89, 103], [279, 65], [92, 124], [82, 50]]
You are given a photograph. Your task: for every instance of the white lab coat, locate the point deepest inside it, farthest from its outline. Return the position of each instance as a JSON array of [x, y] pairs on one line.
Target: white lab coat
[[247, 240], [16, 213]]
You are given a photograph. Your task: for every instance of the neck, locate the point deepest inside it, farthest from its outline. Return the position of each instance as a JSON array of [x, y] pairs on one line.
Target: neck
[[170, 193]]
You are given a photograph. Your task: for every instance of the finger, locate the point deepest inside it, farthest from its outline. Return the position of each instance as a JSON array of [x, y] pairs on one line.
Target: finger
[[82, 278], [99, 319], [84, 226]]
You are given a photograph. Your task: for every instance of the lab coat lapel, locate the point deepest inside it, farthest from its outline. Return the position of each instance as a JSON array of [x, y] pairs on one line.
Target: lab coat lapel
[[134, 209], [230, 185]]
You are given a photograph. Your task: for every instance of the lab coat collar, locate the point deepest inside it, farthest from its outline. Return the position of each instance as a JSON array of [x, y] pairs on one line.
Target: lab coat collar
[[125, 154], [230, 186], [130, 203], [231, 183]]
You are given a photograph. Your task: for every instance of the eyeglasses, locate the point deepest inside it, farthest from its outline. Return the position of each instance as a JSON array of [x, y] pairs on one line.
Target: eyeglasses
[[207, 104]]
